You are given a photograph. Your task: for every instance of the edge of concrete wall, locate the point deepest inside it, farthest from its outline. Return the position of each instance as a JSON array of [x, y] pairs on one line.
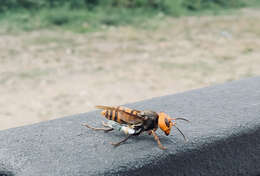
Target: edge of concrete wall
[[224, 139]]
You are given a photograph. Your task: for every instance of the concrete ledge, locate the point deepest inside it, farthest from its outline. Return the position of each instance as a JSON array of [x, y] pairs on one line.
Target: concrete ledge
[[224, 139]]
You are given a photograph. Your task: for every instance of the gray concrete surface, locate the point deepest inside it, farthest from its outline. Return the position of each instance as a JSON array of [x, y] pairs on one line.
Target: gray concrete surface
[[224, 139]]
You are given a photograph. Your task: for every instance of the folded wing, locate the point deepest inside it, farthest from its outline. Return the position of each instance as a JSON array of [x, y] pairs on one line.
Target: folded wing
[[131, 118]]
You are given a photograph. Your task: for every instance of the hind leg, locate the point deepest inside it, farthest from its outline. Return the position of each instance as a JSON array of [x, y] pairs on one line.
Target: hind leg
[[98, 129], [105, 124], [120, 142]]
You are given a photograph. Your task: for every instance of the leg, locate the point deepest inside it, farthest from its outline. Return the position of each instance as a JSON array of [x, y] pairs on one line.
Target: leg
[[149, 132], [118, 143], [98, 129], [157, 140], [105, 124]]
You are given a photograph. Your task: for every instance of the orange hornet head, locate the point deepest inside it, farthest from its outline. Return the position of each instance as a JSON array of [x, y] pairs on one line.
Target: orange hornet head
[[166, 123]]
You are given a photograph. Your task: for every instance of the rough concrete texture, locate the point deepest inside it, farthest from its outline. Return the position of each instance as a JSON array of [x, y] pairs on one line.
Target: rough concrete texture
[[224, 139]]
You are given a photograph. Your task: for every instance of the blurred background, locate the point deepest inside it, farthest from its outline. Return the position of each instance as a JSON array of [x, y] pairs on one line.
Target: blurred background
[[62, 57]]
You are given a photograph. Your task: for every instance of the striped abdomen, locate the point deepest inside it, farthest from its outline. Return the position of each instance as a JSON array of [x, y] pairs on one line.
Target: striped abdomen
[[115, 115]]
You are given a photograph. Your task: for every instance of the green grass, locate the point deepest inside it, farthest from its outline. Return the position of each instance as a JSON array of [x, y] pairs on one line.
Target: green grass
[[91, 19], [253, 3], [80, 20]]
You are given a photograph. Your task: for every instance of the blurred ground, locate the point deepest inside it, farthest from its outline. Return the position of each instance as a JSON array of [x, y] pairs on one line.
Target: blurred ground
[[50, 74]]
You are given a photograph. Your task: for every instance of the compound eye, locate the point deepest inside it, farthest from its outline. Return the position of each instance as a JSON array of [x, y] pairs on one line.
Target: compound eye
[[167, 122]]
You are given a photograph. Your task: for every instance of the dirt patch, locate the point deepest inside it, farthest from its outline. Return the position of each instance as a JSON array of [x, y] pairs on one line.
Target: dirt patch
[[50, 74]]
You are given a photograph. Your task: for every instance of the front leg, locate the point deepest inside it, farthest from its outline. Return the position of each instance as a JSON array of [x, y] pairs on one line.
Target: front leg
[[157, 140]]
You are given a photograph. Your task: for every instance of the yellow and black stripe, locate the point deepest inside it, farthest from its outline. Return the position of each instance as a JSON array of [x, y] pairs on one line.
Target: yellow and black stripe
[[112, 113]]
